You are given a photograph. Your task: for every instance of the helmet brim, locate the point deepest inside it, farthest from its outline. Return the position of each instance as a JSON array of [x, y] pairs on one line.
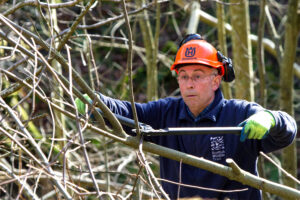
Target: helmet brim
[[213, 64]]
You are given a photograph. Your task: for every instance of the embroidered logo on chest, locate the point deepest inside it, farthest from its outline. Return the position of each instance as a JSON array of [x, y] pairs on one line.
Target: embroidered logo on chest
[[217, 147]]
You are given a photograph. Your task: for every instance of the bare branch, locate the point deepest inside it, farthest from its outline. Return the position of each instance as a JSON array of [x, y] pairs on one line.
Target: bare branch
[[41, 4], [26, 187], [36, 147], [85, 153], [279, 167]]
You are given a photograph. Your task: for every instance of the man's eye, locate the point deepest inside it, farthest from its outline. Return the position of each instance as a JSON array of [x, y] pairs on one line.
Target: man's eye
[[185, 77], [197, 77]]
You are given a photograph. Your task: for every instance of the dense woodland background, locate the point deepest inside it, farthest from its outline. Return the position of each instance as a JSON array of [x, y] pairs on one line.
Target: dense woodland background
[[54, 51]]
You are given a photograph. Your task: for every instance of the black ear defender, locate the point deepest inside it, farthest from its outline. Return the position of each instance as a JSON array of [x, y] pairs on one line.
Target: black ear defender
[[228, 67]]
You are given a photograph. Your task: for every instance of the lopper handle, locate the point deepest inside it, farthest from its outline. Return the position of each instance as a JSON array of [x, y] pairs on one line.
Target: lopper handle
[[194, 131]]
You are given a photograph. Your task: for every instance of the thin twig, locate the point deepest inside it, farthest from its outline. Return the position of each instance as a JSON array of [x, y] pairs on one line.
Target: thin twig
[[56, 107], [274, 35], [35, 146], [116, 125], [202, 188], [279, 167], [144, 163], [85, 153], [41, 4], [150, 172], [137, 179], [113, 19], [74, 25], [129, 67], [25, 186], [180, 171]]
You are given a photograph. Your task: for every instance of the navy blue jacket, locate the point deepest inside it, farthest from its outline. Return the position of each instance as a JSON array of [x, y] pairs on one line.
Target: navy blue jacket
[[173, 112]]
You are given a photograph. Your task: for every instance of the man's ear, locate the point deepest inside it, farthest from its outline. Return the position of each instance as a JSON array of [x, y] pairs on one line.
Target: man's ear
[[216, 82]]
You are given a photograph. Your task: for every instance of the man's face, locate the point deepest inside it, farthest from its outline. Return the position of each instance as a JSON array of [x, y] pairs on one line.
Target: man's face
[[198, 84]]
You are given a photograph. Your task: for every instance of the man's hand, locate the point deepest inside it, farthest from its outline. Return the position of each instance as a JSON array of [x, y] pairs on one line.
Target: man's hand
[[80, 105], [257, 126]]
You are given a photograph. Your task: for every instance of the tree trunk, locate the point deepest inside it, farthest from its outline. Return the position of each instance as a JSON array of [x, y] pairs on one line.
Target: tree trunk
[[242, 50], [262, 75], [222, 44], [260, 55], [289, 161], [58, 92], [194, 17], [149, 43]]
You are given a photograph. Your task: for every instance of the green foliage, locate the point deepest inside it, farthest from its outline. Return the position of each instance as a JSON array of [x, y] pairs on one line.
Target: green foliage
[[169, 47]]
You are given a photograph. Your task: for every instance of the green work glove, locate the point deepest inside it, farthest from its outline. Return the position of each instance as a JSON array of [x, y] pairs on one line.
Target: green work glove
[[80, 105], [257, 126]]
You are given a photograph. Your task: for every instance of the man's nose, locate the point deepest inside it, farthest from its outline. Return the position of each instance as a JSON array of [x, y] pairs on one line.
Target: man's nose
[[190, 82]]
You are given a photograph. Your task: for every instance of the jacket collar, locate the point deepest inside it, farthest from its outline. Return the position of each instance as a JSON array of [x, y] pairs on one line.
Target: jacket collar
[[210, 112]]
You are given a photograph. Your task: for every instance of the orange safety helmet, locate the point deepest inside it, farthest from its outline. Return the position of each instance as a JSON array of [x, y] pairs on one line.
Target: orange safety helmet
[[197, 51]]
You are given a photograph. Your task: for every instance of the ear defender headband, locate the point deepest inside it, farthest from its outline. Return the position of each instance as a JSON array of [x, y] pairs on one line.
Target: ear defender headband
[[189, 37]]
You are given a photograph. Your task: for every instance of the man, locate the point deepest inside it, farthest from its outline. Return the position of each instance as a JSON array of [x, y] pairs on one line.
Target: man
[[200, 69]]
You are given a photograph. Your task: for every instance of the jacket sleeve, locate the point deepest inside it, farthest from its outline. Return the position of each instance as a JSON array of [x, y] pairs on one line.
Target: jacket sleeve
[[282, 134], [147, 112], [119, 107]]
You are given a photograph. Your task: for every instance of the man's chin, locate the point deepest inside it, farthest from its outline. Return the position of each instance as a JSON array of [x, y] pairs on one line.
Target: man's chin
[[191, 103]]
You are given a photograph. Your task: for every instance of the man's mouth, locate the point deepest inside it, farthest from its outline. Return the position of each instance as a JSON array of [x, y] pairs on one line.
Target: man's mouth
[[190, 95]]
